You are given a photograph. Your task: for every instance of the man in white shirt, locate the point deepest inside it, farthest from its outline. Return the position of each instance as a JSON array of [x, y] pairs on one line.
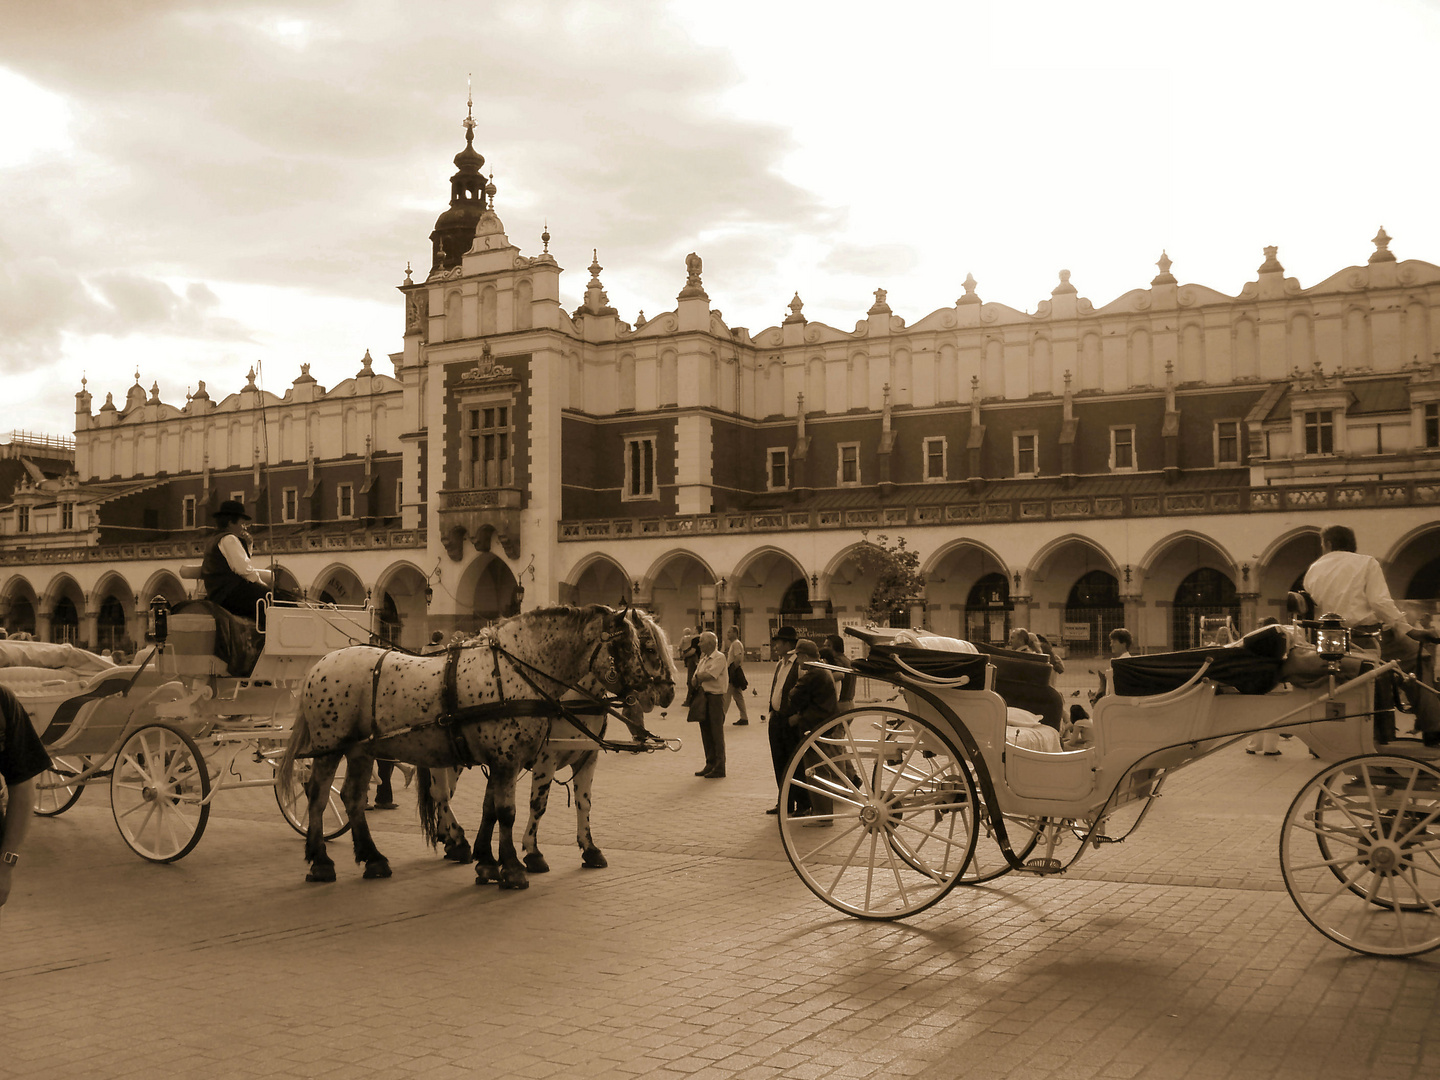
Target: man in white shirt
[[1353, 587], [710, 682], [230, 579], [783, 739]]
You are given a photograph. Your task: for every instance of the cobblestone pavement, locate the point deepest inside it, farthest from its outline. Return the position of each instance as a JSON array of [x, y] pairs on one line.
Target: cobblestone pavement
[[697, 953]]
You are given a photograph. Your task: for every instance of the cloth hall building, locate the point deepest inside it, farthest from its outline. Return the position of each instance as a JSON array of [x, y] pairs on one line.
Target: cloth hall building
[[1169, 455]]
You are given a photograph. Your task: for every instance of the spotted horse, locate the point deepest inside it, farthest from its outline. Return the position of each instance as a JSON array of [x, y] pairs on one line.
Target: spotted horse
[[574, 747], [488, 701]]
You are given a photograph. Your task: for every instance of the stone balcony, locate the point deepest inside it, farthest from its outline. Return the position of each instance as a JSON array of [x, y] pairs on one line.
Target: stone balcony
[[480, 515]]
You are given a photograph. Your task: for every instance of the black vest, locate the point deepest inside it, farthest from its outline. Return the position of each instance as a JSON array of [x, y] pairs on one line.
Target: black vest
[[215, 569]]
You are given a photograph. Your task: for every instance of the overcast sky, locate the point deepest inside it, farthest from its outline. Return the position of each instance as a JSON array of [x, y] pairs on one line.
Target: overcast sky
[[193, 188]]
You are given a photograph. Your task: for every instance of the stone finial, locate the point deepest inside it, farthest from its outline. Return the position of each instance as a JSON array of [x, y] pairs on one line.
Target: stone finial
[[595, 268], [880, 307], [1271, 265], [1169, 372], [795, 315], [1164, 277], [640, 319], [490, 190], [693, 289], [200, 393], [155, 392], [800, 416], [109, 401], [885, 407], [250, 379], [1064, 288], [1382, 247], [408, 281], [365, 365], [545, 238], [969, 297]]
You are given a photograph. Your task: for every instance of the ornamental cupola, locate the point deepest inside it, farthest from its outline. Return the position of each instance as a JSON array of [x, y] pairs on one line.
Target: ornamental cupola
[[455, 228]]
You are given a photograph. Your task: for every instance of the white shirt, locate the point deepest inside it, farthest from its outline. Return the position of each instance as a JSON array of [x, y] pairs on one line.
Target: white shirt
[[782, 672], [710, 672], [234, 551], [1353, 586]]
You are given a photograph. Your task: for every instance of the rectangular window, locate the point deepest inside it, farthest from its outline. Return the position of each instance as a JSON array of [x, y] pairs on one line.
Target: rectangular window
[[1122, 449], [1432, 426], [344, 500], [487, 446], [67, 515], [849, 471], [289, 503], [1027, 454], [1320, 431], [22, 519], [778, 477], [1227, 442], [187, 512], [935, 463], [639, 468]]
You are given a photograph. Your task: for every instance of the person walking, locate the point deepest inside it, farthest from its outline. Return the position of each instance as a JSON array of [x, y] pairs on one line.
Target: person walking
[[782, 741], [707, 704], [735, 681]]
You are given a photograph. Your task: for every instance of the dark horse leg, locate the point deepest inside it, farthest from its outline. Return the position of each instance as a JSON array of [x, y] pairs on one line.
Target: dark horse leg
[[499, 810], [317, 795], [353, 793]]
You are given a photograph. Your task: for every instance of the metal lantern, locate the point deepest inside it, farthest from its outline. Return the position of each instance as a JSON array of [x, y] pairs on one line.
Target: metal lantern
[[1332, 640], [159, 619]]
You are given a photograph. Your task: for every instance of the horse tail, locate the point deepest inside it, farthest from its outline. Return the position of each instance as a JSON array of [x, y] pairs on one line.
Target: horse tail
[[299, 743], [426, 805]]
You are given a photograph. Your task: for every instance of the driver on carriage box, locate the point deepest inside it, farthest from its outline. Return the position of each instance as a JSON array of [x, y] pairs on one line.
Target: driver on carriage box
[[22, 759], [230, 579]]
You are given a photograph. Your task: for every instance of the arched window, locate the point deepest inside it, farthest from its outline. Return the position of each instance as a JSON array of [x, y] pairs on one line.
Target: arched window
[[1094, 603], [21, 619], [987, 610], [390, 625], [110, 624], [65, 622], [1205, 592]]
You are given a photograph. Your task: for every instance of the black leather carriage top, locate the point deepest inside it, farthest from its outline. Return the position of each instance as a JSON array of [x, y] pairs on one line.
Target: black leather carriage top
[[1022, 679], [1251, 666]]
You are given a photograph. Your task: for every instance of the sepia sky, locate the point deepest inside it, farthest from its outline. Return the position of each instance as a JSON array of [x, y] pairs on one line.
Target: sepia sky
[[193, 188]]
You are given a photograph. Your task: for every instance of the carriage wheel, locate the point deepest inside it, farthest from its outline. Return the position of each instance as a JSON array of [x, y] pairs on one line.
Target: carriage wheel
[[295, 806], [1360, 852], [51, 801], [158, 793], [989, 862], [902, 819]]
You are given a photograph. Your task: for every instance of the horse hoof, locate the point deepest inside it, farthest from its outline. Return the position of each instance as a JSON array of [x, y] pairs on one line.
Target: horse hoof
[[536, 864], [514, 883], [593, 860], [321, 873], [378, 869], [486, 875], [458, 852]]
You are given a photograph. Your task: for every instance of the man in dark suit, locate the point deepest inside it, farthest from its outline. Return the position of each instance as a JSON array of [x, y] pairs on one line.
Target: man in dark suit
[[782, 738], [812, 702]]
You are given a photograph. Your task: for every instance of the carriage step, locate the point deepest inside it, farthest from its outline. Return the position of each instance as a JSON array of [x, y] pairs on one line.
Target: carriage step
[[1044, 866]]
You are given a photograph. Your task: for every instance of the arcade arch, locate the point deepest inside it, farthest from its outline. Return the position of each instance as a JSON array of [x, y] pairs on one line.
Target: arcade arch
[[764, 587], [683, 593], [967, 593], [402, 612], [1073, 580], [599, 580], [1187, 576], [487, 593], [338, 584]]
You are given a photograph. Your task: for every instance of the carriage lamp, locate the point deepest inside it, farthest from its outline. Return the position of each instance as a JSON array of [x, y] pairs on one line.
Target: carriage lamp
[[1332, 640], [159, 619]]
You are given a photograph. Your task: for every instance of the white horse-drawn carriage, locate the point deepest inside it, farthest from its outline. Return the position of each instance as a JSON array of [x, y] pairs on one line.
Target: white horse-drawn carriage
[[180, 724], [923, 798]]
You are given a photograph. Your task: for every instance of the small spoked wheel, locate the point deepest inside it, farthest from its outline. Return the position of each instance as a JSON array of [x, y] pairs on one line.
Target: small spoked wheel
[[1360, 853], [55, 791], [891, 821], [159, 793], [294, 803]]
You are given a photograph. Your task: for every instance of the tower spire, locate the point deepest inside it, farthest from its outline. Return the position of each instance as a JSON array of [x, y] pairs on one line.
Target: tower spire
[[455, 228]]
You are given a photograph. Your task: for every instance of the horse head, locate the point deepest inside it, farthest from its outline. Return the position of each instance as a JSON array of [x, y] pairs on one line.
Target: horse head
[[632, 662]]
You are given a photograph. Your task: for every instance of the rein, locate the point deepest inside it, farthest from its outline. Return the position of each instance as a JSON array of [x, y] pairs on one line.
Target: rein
[[454, 716]]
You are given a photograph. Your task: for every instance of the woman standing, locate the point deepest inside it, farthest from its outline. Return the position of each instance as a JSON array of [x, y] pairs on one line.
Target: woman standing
[[736, 682]]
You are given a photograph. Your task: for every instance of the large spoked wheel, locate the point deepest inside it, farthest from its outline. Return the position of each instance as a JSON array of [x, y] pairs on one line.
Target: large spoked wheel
[[158, 793], [54, 791], [1360, 852], [295, 804], [894, 820]]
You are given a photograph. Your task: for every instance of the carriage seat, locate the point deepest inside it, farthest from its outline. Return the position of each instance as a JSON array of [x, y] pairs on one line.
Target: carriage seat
[[191, 571], [205, 639], [1252, 665]]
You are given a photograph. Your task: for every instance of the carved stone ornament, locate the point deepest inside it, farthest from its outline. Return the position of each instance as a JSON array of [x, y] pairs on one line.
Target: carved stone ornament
[[417, 310]]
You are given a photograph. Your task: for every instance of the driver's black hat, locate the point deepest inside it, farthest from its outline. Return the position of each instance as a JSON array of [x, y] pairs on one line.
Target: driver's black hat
[[231, 509]]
